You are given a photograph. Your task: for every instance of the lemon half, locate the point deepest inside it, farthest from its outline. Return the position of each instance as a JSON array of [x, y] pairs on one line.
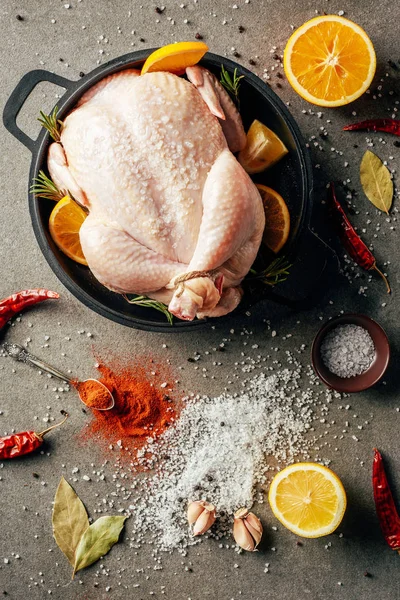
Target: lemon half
[[308, 499]]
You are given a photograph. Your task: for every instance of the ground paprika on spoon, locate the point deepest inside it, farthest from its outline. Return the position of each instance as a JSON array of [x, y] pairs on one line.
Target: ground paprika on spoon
[[93, 394]]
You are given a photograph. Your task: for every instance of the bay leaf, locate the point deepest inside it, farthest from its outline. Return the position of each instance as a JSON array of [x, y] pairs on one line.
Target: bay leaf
[[70, 520], [97, 540], [376, 181]]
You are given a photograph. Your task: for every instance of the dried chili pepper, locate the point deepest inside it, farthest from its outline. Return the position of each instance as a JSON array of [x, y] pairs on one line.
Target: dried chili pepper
[[388, 125], [25, 442], [351, 241], [384, 503], [17, 302]]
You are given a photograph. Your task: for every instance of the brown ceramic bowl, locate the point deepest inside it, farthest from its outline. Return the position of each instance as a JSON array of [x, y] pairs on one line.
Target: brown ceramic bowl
[[358, 383]]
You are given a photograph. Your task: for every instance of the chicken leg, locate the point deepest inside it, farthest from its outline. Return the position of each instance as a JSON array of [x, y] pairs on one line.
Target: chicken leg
[[233, 220]]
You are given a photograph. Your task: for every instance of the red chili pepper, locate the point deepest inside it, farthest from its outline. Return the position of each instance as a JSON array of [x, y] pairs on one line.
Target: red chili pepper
[[351, 241], [384, 503], [19, 444], [17, 302], [388, 125]]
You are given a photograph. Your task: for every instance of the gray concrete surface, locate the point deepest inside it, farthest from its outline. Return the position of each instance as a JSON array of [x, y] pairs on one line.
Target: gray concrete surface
[[310, 571]]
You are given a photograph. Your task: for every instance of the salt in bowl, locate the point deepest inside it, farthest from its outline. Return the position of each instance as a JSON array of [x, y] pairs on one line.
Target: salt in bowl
[[372, 375]]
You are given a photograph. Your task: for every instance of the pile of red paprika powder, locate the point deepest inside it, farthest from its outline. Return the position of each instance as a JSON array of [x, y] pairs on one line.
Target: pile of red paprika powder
[[143, 406]]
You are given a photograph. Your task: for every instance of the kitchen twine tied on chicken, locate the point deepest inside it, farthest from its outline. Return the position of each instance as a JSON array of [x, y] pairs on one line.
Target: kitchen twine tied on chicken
[[179, 281]]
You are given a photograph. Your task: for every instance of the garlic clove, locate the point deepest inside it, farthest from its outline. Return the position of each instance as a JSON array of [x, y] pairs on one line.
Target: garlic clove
[[255, 533], [254, 526], [204, 521], [254, 522], [247, 529], [194, 511], [241, 513], [242, 536]]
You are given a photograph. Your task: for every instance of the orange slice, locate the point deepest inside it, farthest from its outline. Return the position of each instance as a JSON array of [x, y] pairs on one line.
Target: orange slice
[[263, 149], [329, 61], [65, 222], [277, 218], [175, 57]]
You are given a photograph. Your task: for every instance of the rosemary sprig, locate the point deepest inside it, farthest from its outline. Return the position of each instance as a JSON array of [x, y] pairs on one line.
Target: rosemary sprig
[[231, 83], [44, 187], [51, 122], [276, 272], [149, 303]]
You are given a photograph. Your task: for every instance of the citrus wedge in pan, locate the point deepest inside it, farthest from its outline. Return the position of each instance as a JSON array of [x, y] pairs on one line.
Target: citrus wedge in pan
[[175, 57], [65, 222]]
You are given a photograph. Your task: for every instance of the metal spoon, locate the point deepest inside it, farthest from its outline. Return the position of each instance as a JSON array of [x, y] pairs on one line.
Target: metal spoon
[[22, 355]]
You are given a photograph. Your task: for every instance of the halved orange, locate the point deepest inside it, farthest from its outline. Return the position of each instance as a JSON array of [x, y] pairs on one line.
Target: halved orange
[[65, 222], [277, 218], [329, 61], [175, 57]]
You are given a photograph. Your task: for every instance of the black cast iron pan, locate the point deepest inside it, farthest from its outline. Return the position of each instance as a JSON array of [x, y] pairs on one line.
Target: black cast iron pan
[[292, 177]]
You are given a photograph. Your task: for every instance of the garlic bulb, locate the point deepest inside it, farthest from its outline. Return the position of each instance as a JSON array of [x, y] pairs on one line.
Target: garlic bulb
[[247, 530], [201, 515]]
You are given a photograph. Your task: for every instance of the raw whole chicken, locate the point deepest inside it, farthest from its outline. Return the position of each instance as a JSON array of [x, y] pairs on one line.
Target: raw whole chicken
[[172, 214]]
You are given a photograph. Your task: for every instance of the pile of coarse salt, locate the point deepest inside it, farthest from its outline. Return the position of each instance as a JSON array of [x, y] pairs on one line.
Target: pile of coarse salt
[[219, 450], [348, 350]]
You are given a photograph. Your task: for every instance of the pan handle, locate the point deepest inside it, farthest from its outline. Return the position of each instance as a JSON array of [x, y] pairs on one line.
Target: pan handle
[[21, 93]]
